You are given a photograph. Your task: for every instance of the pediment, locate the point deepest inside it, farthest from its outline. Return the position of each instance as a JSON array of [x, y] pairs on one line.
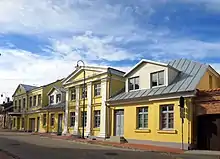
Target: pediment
[[20, 90]]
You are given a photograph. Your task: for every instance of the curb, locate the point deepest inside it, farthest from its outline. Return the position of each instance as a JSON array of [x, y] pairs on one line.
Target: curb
[[10, 154]]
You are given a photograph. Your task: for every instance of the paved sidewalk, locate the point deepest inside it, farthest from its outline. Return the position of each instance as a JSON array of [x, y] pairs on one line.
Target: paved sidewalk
[[4, 155], [119, 145]]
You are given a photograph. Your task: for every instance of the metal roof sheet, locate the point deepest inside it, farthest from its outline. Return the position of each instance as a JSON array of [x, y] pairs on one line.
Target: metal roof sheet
[[190, 75]]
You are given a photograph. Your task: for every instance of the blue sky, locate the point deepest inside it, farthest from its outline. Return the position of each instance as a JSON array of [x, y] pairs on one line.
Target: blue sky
[[41, 41]]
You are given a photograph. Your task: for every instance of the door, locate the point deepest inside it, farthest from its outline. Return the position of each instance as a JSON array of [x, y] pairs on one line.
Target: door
[[38, 124], [209, 132], [60, 121], [119, 123], [32, 124], [18, 123]]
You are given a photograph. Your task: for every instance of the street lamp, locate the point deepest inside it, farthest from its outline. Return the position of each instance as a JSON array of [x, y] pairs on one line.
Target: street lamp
[[84, 87]]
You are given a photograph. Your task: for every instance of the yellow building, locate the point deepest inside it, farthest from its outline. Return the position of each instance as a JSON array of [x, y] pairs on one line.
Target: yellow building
[[148, 111], [101, 84], [29, 103]]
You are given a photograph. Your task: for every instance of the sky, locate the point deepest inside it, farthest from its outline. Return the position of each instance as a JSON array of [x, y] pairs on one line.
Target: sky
[[40, 41]]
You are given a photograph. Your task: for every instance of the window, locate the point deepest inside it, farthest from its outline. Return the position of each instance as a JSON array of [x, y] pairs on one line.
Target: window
[[82, 95], [143, 118], [167, 116], [85, 114], [97, 118], [24, 102], [58, 98], [52, 120], [35, 101], [157, 79], [73, 94], [39, 99], [16, 104], [14, 122], [19, 104], [30, 101], [133, 83], [51, 99], [72, 118], [44, 119], [22, 123], [97, 89], [210, 81]]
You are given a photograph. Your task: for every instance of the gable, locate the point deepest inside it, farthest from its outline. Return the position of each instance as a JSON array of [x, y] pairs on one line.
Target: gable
[[19, 90], [80, 75]]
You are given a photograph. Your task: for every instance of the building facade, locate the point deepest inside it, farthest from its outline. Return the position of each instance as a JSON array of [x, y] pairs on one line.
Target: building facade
[[101, 84], [28, 102], [5, 118], [148, 111]]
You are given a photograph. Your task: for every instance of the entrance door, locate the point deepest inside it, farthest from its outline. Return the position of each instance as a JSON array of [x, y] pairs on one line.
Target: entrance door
[[18, 123], [119, 122], [32, 124], [60, 121], [209, 132], [38, 124]]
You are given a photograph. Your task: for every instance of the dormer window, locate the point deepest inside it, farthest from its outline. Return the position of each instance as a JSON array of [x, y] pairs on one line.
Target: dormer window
[[133, 83], [51, 99], [157, 79], [58, 98]]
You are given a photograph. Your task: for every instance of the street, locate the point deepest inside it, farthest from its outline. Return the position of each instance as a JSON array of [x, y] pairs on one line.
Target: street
[[26, 146]]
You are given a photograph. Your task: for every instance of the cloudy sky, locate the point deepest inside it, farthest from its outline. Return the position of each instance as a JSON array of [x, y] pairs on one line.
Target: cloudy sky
[[41, 40]]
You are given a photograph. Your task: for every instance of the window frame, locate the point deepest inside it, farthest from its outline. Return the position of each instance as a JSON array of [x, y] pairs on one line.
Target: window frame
[[157, 73], [39, 99], [35, 100], [72, 119], [82, 88], [97, 89], [73, 94], [59, 94], [166, 112], [97, 118], [142, 113], [52, 120], [22, 123], [30, 101], [134, 79], [19, 105], [24, 102], [50, 99], [15, 106]]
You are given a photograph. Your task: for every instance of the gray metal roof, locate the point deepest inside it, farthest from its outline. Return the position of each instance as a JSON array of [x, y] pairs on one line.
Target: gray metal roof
[[55, 106], [188, 78], [28, 87]]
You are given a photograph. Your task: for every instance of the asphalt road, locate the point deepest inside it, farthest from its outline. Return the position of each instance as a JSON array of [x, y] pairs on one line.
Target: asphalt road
[[26, 146]]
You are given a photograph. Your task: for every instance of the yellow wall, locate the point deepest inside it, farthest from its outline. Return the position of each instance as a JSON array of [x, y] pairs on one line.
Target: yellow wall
[[33, 93], [153, 132], [116, 86], [204, 83]]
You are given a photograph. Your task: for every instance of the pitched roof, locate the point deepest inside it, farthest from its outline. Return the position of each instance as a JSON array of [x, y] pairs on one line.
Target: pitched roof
[[55, 106], [28, 87], [59, 89], [186, 81]]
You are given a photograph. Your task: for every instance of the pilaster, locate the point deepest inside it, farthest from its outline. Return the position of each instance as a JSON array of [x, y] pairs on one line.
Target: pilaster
[[89, 109], [76, 126], [103, 127], [65, 130]]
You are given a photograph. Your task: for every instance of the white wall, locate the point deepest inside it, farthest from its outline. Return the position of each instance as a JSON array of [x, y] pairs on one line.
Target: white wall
[[54, 94], [144, 72]]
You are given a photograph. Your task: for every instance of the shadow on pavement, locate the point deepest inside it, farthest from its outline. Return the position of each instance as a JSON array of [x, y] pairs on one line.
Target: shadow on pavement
[[24, 150]]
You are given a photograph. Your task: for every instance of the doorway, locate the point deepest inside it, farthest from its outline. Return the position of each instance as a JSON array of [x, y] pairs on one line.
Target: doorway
[[32, 124], [119, 123], [60, 121], [18, 123], [208, 132], [38, 124]]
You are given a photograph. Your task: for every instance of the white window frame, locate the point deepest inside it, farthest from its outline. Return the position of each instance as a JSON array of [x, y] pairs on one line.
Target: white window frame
[[52, 116], [82, 88], [166, 112], [157, 73], [39, 101], [50, 99], [57, 98], [142, 113], [97, 89], [72, 118], [35, 100], [73, 94], [85, 121], [44, 119], [97, 118], [135, 82]]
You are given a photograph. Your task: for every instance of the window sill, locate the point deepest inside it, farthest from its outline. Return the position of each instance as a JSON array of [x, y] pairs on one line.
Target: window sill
[[158, 86], [142, 130], [167, 131], [99, 96], [73, 100]]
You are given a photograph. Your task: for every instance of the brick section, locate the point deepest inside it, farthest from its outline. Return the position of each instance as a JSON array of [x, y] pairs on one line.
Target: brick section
[[208, 102], [118, 145]]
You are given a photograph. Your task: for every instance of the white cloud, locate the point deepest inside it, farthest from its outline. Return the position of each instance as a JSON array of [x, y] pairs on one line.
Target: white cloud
[[31, 17]]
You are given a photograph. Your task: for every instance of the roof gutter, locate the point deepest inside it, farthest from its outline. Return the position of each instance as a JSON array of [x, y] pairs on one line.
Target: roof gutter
[[151, 99]]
